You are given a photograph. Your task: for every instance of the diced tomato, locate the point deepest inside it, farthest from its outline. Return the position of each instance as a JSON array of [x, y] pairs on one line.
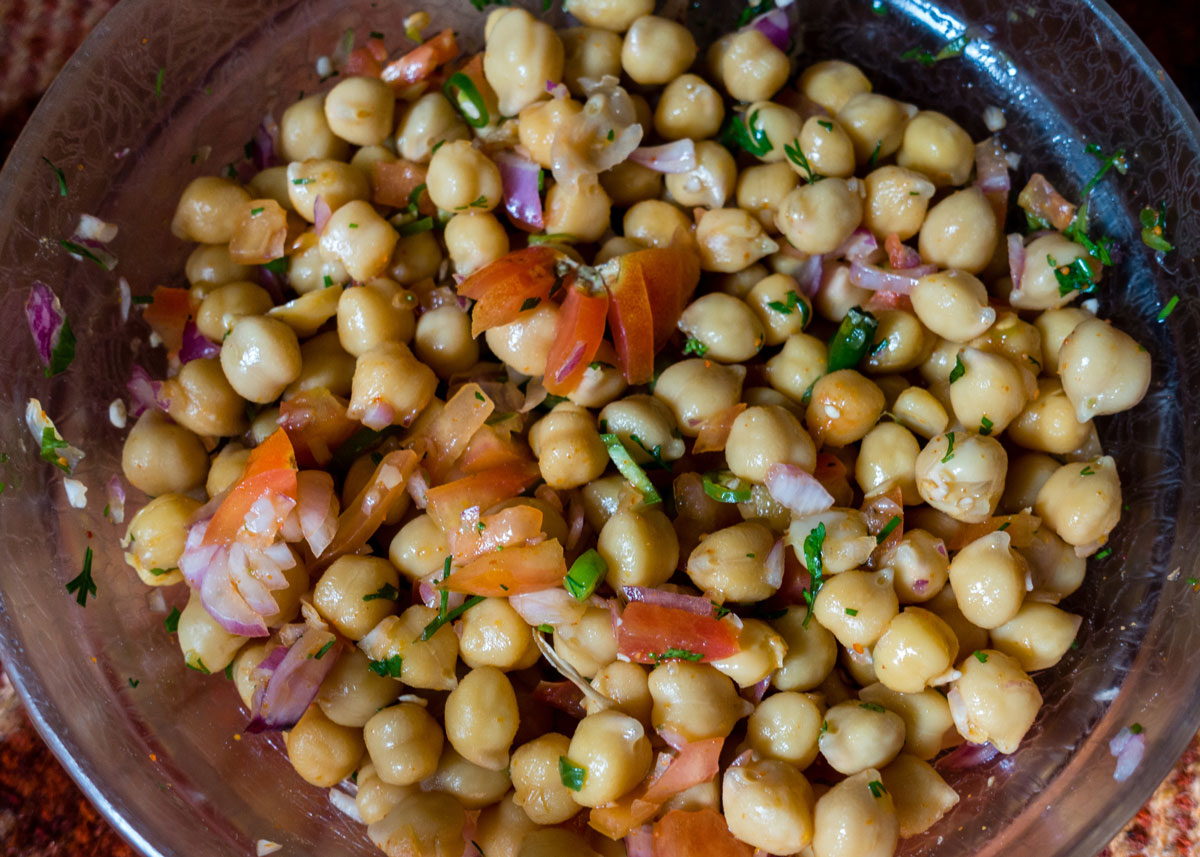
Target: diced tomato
[[563, 695], [685, 834], [420, 62], [447, 503], [885, 299], [377, 48], [316, 423], [630, 321], [363, 515], [629, 812], [515, 526], [493, 448], [362, 62], [513, 571], [444, 438], [270, 468], [831, 472], [645, 632], [503, 287], [392, 183], [1020, 528], [167, 315], [577, 337], [697, 762], [671, 275], [715, 430]]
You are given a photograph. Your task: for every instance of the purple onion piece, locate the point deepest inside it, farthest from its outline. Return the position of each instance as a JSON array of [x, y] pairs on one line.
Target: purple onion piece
[[294, 681], [966, 756], [775, 26], [519, 177], [649, 595], [196, 345], [808, 276], [265, 138], [144, 392], [676, 157], [46, 318]]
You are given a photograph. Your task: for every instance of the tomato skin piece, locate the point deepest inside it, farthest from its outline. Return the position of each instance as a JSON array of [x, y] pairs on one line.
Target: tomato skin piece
[[646, 630], [420, 62], [513, 571], [697, 762], [271, 467], [502, 287], [685, 834], [629, 320], [362, 62], [491, 448], [316, 423], [577, 338], [447, 503], [392, 183], [671, 275], [168, 314]]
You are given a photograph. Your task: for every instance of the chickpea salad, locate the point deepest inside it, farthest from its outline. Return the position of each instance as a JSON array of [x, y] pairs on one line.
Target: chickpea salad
[[597, 445]]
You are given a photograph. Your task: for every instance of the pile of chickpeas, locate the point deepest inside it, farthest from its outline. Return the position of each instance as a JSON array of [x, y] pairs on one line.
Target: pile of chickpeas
[[975, 400]]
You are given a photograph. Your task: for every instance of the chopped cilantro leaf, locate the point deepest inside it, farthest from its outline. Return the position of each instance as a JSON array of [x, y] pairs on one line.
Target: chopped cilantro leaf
[[695, 346], [83, 585], [873, 706], [58, 173], [676, 654], [198, 666], [1104, 554], [529, 303], [172, 621], [850, 611], [950, 449], [814, 544], [277, 266], [386, 592], [959, 369], [1154, 225], [389, 667], [545, 629], [826, 124], [51, 442], [1136, 728], [1087, 471], [887, 530], [874, 159], [133, 682], [980, 656], [877, 789], [1165, 312], [320, 653], [158, 83], [796, 155], [986, 426], [572, 775], [255, 212]]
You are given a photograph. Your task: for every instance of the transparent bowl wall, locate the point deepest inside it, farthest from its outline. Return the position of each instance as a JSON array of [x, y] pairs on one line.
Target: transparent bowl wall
[[161, 760]]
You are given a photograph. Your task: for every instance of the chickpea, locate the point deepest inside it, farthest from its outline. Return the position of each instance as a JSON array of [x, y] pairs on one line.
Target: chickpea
[[960, 232], [657, 50], [156, 537], [836, 294], [539, 788], [226, 469], [826, 147], [710, 182], [688, 107], [731, 239], [988, 577], [336, 182], [639, 547], [589, 52], [554, 842], [998, 700], [588, 644], [643, 423], [627, 685], [869, 593], [785, 726], [832, 83], [614, 753], [1081, 502], [207, 647], [726, 326], [797, 366], [752, 68], [920, 794], [473, 239], [989, 394], [896, 201], [730, 564], [854, 819], [818, 218], [856, 736], [965, 482], [916, 648], [613, 15], [360, 110], [380, 311], [739, 283], [1038, 636], [919, 411], [260, 357], [208, 210], [481, 717], [503, 827], [926, 716], [226, 304], [1103, 369], [1055, 326], [1056, 570], [443, 341], [970, 636], [375, 798], [160, 457], [655, 223], [847, 543], [364, 159], [762, 652], [627, 184], [780, 306], [920, 564], [419, 548], [494, 635], [462, 178], [524, 343], [936, 146], [308, 313], [694, 700], [424, 663], [429, 120], [953, 304], [540, 123], [202, 400], [887, 458], [603, 497], [697, 390], [473, 786], [811, 652], [761, 190], [323, 752], [360, 239], [352, 693], [304, 132], [580, 209], [768, 804], [569, 449], [339, 594], [875, 124], [522, 54], [389, 375], [1039, 287], [764, 435], [309, 272], [1048, 423], [404, 742], [425, 823], [211, 264], [843, 407]]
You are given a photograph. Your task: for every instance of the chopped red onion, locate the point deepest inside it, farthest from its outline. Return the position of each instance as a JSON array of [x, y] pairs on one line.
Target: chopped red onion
[[554, 606], [265, 143], [640, 842], [674, 740], [775, 26], [797, 489], [558, 90], [196, 345], [808, 276], [773, 566], [116, 499], [966, 756], [876, 279], [571, 363], [991, 168], [1128, 747], [861, 246], [379, 416], [920, 585], [144, 392], [418, 486], [431, 596], [742, 758], [46, 319], [900, 256], [1016, 259], [649, 595], [316, 508], [293, 680], [535, 394], [575, 522], [125, 295], [519, 177], [754, 693], [676, 157], [321, 214]]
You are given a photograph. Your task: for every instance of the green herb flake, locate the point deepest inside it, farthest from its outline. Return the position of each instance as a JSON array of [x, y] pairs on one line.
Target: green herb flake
[[1076, 276], [276, 266], [824, 727], [986, 426], [328, 281], [611, 134], [545, 629], [83, 585], [873, 706], [159, 572], [389, 667], [879, 347], [959, 369], [302, 181], [980, 656], [320, 653], [453, 615], [171, 623], [1165, 312], [747, 135], [853, 338], [529, 303], [352, 225], [142, 299], [676, 655], [158, 82], [888, 529], [695, 346], [950, 448], [655, 453], [133, 682], [415, 227], [374, 34], [58, 173], [850, 611], [462, 92], [387, 592], [629, 468], [796, 155], [229, 671], [84, 253], [51, 442], [585, 575], [1153, 220], [719, 610], [724, 487], [826, 124], [788, 305], [572, 775], [255, 212], [1136, 728], [874, 159], [198, 666], [814, 544], [952, 48], [1105, 553], [1193, 582], [1003, 526], [877, 789], [1087, 471], [63, 352]]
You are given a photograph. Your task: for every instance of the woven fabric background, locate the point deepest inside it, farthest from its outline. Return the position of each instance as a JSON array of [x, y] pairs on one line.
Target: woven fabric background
[[43, 814]]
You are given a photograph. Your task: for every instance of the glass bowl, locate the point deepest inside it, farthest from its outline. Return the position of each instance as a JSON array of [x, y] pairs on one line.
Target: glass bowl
[[158, 83]]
